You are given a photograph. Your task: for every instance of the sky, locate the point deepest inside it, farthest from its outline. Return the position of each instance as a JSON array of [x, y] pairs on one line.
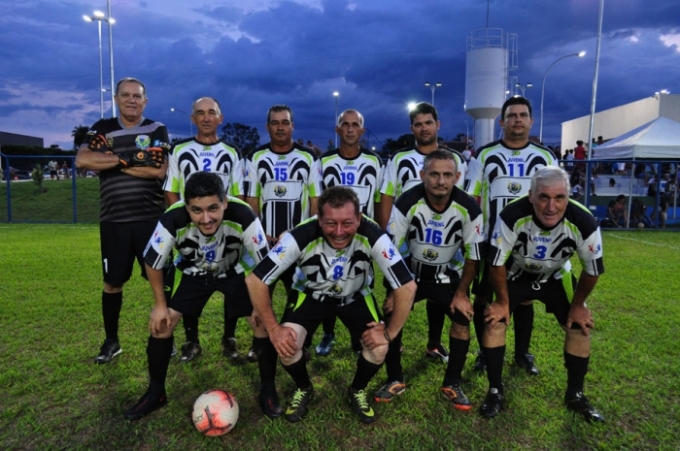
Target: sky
[[252, 54]]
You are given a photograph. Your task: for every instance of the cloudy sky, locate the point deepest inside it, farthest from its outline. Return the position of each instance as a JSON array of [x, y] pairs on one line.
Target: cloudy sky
[[377, 54]]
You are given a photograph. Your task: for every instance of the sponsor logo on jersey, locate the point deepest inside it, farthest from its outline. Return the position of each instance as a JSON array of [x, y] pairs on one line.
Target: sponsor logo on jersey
[[351, 168], [159, 242], [533, 266], [205, 154], [142, 142], [279, 251], [514, 188], [282, 157], [281, 163], [479, 229], [339, 260], [544, 233], [516, 153], [435, 223], [430, 255], [340, 253], [280, 191], [436, 216], [497, 237], [515, 160], [595, 249], [542, 239], [207, 148], [388, 253], [258, 239], [335, 289]]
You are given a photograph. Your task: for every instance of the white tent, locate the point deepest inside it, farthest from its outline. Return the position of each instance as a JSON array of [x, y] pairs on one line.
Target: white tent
[[659, 139]]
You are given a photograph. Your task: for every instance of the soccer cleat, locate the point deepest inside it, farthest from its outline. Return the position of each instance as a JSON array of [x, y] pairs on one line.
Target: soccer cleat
[[389, 391], [493, 403], [360, 406], [327, 342], [580, 404], [480, 363], [229, 350], [269, 403], [455, 394], [438, 352], [298, 406], [526, 362], [146, 404], [190, 350], [251, 356], [108, 351]]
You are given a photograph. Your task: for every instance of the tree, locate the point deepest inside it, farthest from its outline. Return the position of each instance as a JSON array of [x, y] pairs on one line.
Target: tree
[[246, 138], [79, 135], [403, 141], [38, 176]]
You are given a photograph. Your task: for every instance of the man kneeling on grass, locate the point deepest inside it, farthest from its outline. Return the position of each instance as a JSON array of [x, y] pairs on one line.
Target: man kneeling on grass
[[333, 253], [532, 242], [218, 240]]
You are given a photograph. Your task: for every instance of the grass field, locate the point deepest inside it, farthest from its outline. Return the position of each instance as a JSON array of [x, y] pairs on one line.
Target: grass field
[[54, 397]]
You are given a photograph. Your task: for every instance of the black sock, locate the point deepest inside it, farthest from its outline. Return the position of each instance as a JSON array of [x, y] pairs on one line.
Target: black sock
[[190, 327], [457, 354], [298, 371], [393, 366], [478, 320], [494, 366], [266, 361], [158, 352], [111, 305], [577, 367], [229, 327], [329, 325], [435, 323], [523, 317], [365, 372]]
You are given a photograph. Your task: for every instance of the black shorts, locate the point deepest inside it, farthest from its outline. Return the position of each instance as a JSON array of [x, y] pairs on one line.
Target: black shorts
[[286, 279], [481, 285], [555, 294], [441, 294], [121, 243], [309, 313], [188, 295]]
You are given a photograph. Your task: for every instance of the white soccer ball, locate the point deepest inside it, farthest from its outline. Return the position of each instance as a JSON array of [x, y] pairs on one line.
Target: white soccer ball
[[215, 413], [641, 225]]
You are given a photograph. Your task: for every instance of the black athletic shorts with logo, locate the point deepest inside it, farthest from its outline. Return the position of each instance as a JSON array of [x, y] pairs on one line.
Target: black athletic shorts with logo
[[441, 294], [121, 243]]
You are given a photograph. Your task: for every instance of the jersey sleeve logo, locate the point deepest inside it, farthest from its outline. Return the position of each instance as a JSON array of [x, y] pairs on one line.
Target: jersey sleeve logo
[[388, 253], [279, 251], [497, 237], [258, 239], [142, 142], [514, 188], [595, 249], [430, 255], [479, 229]]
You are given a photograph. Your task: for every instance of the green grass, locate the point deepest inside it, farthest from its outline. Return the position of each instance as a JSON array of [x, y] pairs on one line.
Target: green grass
[[54, 397]]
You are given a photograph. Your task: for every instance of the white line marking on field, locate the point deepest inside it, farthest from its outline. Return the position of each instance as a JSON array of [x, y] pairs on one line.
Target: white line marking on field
[[651, 243]]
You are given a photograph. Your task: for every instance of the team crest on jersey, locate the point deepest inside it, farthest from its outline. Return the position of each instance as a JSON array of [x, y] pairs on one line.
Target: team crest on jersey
[[282, 157], [349, 163], [280, 191], [388, 253], [335, 289], [279, 251], [340, 253], [595, 249], [207, 148], [430, 255], [142, 142], [514, 188], [533, 266], [544, 233], [516, 153], [436, 216]]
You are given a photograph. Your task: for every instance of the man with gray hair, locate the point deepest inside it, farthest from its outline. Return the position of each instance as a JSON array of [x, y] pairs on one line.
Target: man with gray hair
[[532, 242]]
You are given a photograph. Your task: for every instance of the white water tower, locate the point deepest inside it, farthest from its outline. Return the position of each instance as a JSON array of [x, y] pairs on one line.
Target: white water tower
[[490, 55]]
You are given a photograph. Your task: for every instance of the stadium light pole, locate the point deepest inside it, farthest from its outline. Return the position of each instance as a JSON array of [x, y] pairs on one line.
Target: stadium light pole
[[336, 94], [191, 127], [523, 88], [432, 87], [111, 21], [580, 55], [99, 17]]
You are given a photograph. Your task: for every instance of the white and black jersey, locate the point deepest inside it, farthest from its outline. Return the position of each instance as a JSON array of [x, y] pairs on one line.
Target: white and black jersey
[[237, 247], [363, 174], [189, 156], [532, 253], [402, 170], [429, 239], [325, 272], [498, 174], [123, 197], [283, 183]]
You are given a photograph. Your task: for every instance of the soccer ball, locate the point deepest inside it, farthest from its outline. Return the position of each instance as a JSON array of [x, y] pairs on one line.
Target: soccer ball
[[215, 413]]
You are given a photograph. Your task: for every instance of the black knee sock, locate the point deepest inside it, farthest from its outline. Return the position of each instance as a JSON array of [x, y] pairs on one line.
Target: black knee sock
[[229, 327], [478, 320], [158, 352], [365, 372], [435, 323], [523, 317], [329, 325], [111, 305], [266, 361], [190, 327], [298, 371], [494, 366], [457, 354], [577, 367], [393, 366]]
